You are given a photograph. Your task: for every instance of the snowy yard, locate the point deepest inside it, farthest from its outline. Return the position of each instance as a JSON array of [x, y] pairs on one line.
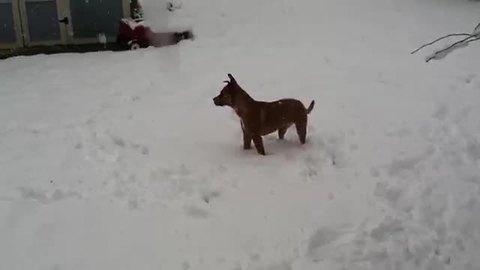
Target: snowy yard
[[120, 160]]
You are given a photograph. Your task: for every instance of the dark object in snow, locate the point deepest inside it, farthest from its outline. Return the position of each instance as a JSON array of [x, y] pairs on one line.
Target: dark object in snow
[[210, 195], [259, 118], [171, 6], [135, 35]]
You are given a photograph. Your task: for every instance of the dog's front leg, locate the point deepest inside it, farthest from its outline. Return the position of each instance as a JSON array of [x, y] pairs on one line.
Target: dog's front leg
[[258, 141], [247, 140]]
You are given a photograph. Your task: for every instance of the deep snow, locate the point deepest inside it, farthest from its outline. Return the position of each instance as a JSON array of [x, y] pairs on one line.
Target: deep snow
[[121, 161]]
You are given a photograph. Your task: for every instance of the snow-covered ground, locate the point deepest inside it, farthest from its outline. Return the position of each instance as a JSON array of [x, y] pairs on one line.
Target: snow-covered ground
[[121, 160]]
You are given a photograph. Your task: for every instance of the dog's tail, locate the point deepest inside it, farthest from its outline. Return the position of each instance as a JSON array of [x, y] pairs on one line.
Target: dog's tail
[[310, 107]]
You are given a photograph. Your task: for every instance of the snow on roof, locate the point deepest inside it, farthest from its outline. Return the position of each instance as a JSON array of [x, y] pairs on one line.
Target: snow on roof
[[132, 23]]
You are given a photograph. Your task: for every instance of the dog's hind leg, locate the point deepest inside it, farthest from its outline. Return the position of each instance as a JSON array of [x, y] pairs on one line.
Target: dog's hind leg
[[302, 130], [258, 142]]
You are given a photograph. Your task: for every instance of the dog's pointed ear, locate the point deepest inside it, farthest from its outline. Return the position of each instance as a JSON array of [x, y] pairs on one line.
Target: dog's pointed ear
[[232, 80]]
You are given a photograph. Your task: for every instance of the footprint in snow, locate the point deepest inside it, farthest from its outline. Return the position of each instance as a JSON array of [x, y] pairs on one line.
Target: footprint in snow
[[208, 196], [196, 212], [320, 243], [469, 78]]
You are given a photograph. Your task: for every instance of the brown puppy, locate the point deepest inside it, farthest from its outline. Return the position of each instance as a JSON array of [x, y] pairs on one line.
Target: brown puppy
[[259, 118]]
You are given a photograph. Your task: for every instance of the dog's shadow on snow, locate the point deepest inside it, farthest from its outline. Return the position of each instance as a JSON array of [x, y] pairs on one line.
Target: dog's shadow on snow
[[288, 143], [326, 150], [288, 147]]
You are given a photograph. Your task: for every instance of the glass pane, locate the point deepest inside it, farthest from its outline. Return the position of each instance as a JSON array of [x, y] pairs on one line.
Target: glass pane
[[90, 18], [7, 25], [43, 20]]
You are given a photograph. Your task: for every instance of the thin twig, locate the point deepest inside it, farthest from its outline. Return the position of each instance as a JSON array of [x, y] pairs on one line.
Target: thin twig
[[476, 28], [467, 40], [438, 39]]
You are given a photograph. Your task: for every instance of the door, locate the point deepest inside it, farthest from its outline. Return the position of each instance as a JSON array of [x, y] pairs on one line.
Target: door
[[93, 19], [10, 29], [43, 23]]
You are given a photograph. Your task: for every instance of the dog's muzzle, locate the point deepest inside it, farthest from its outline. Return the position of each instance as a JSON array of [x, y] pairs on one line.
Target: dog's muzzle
[[217, 101]]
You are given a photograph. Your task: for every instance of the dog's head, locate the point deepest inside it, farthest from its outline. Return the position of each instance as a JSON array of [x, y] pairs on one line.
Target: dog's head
[[226, 96]]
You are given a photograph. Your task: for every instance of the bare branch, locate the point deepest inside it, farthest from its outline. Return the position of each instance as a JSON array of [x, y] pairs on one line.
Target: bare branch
[[438, 39], [442, 53], [476, 31], [461, 43]]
